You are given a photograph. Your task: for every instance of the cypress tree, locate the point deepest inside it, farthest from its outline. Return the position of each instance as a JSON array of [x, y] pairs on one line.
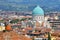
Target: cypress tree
[[49, 37], [33, 38]]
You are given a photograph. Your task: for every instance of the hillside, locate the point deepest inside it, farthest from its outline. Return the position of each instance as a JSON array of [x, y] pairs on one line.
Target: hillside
[[28, 5]]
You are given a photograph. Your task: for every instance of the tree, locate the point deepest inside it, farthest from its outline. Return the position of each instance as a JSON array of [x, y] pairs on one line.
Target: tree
[[1, 20], [49, 37], [33, 38], [14, 21], [29, 18], [23, 19]]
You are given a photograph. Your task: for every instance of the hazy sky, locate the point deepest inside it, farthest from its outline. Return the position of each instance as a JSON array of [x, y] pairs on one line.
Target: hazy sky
[[17, 4]]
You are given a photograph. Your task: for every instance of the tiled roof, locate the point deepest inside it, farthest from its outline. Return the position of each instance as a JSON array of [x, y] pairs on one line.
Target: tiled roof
[[12, 36], [29, 28]]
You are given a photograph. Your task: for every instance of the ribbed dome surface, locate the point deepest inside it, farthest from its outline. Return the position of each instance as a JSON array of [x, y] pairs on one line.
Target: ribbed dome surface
[[38, 11]]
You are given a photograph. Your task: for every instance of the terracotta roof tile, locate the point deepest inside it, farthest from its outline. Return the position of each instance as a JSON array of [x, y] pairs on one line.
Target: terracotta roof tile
[[12, 36]]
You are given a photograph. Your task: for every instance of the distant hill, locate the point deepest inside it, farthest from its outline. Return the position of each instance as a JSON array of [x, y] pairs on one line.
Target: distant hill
[[28, 5]]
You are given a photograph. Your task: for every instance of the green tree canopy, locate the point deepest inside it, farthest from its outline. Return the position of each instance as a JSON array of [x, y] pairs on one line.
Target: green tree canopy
[[49, 37], [14, 21]]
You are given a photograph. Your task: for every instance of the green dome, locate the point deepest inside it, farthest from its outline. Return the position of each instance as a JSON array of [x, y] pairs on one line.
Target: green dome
[[38, 11]]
